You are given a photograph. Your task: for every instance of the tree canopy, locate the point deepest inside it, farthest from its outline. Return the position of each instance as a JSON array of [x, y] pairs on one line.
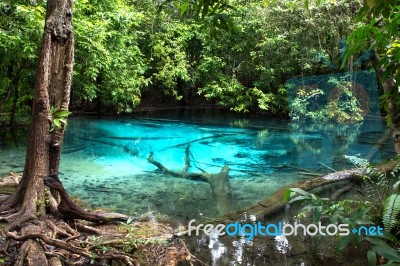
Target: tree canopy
[[128, 51]]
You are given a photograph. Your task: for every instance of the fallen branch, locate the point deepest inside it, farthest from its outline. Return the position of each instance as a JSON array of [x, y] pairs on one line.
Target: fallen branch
[[219, 183], [274, 203]]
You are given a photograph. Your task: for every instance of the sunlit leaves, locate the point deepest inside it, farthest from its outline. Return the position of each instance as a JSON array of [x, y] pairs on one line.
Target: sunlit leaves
[[21, 27], [229, 93], [109, 64], [378, 30], [125, 48]]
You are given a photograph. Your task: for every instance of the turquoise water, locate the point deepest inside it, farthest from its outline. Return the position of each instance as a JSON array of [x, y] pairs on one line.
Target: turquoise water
[[104, 160]]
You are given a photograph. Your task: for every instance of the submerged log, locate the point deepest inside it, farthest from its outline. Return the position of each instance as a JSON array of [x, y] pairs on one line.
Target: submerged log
[[219, 183]]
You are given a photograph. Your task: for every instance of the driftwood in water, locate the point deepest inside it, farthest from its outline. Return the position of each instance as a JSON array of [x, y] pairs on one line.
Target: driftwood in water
[[274, 203], [219, 183]]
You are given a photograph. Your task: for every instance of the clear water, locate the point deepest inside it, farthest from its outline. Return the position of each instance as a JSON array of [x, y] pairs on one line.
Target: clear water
[[104, 160]]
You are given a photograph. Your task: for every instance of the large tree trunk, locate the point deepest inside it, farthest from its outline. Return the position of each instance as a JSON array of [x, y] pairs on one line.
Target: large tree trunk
[[392, 101], [52, 89], [51, 92]]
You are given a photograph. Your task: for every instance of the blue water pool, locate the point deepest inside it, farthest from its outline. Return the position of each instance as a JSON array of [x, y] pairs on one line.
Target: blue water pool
[[104, 160]]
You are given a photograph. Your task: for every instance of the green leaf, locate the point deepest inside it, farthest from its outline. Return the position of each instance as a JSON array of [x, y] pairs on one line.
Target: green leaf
[[364, 221], [184, 6], [299, 198], [306, 3], [388, 236], [360, 212], [300, 191], [286, 195], [344, 241], [391, 211], [371, 3], [57, 122], [377, 241], [63, 113], [371, 255], [389, 253]]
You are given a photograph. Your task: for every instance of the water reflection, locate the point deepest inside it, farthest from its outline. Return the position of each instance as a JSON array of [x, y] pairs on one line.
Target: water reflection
[[104, 161]]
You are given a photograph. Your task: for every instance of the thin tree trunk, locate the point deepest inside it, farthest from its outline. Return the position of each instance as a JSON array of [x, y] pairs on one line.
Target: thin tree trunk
[[14, 84], [14, 106]]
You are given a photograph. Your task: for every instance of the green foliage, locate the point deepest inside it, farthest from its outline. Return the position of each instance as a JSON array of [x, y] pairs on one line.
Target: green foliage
[[377, 30], [109, 65], [230, 93], [376, 207], [124, 49], [169, 60], [344, 107], [323, 208], [21, 27], [391, 211], [59, 118], [383, 246], [133, 240]]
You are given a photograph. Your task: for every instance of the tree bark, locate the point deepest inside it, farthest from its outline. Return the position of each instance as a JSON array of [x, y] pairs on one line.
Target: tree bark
[[51, 92], [392, 102], [52, 89]]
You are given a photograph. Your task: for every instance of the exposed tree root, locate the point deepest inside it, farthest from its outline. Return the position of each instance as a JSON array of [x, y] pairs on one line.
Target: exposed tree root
[[50, 240], [15, 219], [70, 210], [54, 243], [31, 254]]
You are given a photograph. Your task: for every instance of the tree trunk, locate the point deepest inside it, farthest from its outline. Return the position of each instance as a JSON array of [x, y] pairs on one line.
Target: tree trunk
[[15, 102], [52, 92], [52, 89], [15, 87], [392, 102]]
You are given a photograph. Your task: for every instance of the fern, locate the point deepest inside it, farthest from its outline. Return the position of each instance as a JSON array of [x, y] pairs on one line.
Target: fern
[[358, 161], [391, 211]]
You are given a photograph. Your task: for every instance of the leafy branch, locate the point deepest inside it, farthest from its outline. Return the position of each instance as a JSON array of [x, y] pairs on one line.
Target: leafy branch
[[58, 118]]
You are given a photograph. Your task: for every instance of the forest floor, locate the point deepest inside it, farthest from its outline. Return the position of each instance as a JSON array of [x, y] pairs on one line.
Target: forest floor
[[138, 241]]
